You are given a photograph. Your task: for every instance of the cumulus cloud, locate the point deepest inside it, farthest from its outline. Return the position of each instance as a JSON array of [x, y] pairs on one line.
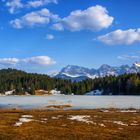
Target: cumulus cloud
[[58, 27], [14, 5], [49, 36], [39, 60], [94, 18], [121, 37], [40, 17], [38, 3], [9, 61]]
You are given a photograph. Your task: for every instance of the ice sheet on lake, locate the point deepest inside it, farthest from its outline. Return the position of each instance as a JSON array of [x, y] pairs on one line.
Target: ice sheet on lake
[[78, 102]]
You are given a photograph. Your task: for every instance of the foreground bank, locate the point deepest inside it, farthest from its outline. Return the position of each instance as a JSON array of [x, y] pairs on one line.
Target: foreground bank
[[96, 124]]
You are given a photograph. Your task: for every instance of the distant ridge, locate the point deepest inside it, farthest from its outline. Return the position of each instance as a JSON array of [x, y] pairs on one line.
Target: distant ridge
[[78, 73]]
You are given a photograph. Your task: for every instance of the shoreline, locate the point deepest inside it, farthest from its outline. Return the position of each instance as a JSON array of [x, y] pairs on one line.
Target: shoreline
[[70, 102], [67, 108]]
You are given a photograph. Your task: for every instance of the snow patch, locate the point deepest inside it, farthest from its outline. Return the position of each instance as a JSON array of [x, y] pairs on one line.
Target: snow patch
[[116, 122], [102, 125], [94, 92], [9, 92], [24, 119], [55, 92], [57, 117], [44, 119], [27, 116], [137, 64], [92, 76], [69, 75], [81, 118], [120, 123], [105, 111], [129, 111], [134, 124]]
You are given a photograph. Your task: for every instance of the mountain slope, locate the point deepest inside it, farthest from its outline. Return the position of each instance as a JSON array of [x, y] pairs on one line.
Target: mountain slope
[[22, 83], [77, 73]]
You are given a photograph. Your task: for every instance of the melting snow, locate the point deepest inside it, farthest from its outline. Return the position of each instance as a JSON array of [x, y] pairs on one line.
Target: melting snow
[[120, 123], [130, 111], [101, 124], [117, 122], [27, 116], [24, 119], [55, 118], [81, 118], [44, 119], [105, 111], [134, 124]]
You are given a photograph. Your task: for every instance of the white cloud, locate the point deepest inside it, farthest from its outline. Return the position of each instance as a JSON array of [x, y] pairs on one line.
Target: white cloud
[[14, 5], [121, 37], [38, 3], [94, 18], [9, 61], [39, 60], [58, 27], [129, 57], [49, 36], [34, 18]]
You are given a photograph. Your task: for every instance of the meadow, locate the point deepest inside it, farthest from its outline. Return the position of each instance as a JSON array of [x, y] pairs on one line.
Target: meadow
[[94, 124]]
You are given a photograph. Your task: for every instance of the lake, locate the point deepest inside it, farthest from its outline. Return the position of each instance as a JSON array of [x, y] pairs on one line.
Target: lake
[[77, 102]]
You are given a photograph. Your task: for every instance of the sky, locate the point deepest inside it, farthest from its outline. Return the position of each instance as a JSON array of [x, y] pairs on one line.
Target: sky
[[43, 36]]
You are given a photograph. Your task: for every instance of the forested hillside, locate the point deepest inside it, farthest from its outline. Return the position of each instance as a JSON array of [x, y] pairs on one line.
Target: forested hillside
[[21, 82]]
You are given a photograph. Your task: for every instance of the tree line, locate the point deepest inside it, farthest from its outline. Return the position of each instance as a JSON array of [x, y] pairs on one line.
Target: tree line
[[22, 82]]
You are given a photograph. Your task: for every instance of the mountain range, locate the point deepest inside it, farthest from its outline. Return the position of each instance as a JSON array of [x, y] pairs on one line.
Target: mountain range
[[78, 73]]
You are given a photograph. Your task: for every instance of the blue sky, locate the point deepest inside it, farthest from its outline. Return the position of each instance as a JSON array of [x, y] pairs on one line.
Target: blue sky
[[45, 35]]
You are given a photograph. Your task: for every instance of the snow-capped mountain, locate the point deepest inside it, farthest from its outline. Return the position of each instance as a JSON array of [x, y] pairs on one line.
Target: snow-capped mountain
[[77, 73]]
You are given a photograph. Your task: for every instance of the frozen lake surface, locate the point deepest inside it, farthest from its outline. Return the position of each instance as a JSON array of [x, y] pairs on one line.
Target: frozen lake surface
[[77, 102]]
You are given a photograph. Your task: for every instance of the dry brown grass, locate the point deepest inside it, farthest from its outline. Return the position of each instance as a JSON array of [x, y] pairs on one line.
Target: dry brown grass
[[42, 92], [59, 106], [59, 127]]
